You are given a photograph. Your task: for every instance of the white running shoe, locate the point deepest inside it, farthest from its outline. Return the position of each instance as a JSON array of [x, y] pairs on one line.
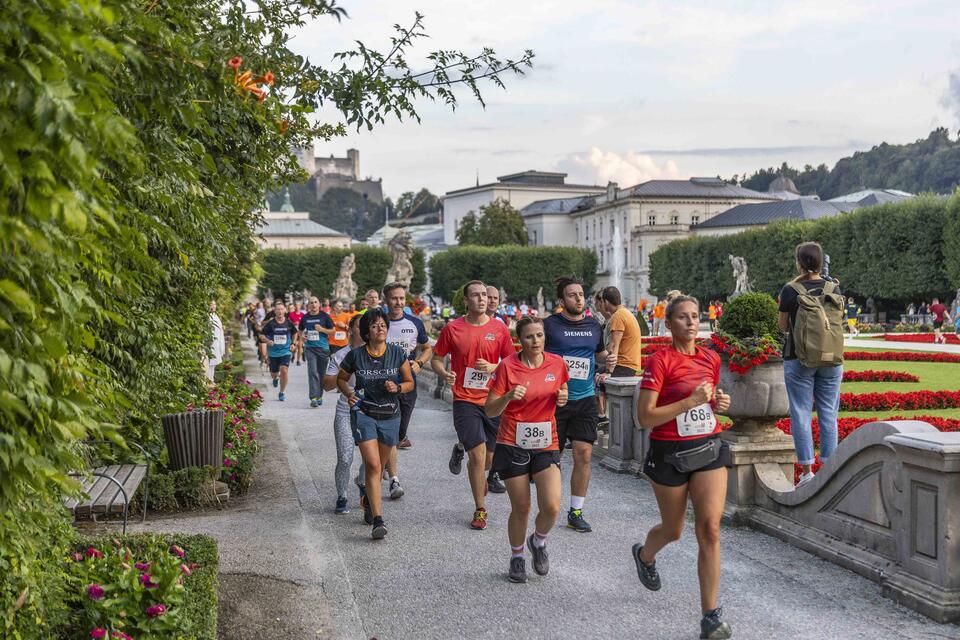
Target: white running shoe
[[806, 477]]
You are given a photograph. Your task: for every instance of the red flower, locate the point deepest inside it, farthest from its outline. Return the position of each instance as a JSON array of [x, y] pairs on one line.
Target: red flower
[[235, 63], [879, 376], [905, 356]]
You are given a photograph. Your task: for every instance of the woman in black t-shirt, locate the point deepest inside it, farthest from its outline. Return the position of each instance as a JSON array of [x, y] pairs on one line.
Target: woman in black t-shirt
[[806, 384]]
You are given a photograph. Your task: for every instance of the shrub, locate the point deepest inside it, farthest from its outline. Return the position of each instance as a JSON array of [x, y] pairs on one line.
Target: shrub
[[750, 315]]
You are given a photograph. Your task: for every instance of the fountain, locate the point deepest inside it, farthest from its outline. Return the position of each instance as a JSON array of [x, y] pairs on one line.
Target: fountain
[[616, 270]]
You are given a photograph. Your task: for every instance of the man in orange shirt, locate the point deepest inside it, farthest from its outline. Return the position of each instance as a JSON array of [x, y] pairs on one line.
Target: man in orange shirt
[[659, 313], [338, 339], [623, 352]]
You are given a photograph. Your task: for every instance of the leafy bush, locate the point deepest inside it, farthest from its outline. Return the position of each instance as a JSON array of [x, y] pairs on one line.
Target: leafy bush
[[176, 490], [520, 271], [750, 315]]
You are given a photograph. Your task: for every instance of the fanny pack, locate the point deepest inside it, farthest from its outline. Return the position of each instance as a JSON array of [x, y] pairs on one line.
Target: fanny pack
[[379, 411], [697, 458]]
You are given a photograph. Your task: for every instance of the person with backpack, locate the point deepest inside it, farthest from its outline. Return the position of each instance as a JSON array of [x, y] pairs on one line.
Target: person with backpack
[[812, 316]]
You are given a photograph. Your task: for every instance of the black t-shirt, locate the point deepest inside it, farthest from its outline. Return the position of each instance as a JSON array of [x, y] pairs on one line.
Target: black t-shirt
[[788, 304], [371, 373]]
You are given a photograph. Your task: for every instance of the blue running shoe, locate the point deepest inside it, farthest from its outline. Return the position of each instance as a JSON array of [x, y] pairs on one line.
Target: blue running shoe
[[276, 382], [282, 397]]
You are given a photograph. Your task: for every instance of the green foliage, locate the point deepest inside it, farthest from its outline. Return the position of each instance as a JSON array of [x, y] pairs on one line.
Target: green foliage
[[893, 252], [927, 165], [498, 224], [411, 204], [750, 315], [316, 269], [176, 490], [520, 271]]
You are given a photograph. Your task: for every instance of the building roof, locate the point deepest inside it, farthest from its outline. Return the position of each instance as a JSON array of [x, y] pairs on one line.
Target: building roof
[[532, 179], [296, 227], [694, 188], [867, 197], [556, 206], [782, 183], [760, 213]]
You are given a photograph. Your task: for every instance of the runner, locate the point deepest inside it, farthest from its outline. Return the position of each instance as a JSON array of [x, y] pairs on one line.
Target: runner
[[295, 315], [686, 459], [658, 312], [372, 300], [475, 345], [315, 329], [623, 349], [341, 317], [381, 372], [407, 332], [853, 310], [342, 432], [529, 388], [712, 315], [939, 312], [278, 333], [579, 341]]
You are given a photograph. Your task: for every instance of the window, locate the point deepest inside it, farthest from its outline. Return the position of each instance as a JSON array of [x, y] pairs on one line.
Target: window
[[651, 220], [576, 230], [600, 260], [534, 238], [694, 219], [674, 219], [624, 224], [639, 255], [586, 231]]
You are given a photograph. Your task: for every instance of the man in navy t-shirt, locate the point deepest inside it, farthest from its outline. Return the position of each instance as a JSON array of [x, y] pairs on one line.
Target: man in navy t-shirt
[[579, 340], [314, 328], [278, 333]]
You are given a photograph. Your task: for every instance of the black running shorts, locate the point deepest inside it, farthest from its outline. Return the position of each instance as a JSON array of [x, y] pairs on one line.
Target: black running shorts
[[510, 461], [662, 472], [577, 420], [276, 363], [473, 426]]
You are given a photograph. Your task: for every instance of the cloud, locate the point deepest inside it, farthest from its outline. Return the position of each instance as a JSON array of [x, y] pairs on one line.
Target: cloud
[[745, 151], [630, 168], [951, 98]]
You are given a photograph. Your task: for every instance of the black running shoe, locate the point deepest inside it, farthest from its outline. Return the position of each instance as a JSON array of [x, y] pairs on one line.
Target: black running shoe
[[576, 522], [541, 563], [365, 503], [518, 570], [379, 529], [495, 484], [712, 627], [456, 459], [647, 572]]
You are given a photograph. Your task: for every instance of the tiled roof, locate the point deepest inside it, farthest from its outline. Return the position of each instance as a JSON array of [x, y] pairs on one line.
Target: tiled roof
[[744, 215], [868, 197], [695, 188], [556, 206], [295, 227]]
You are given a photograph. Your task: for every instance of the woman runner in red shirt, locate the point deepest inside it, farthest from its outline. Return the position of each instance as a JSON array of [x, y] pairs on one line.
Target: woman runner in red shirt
[[527, 387], [679, 399]]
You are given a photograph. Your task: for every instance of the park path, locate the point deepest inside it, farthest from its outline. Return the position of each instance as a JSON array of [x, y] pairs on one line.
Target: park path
[[433, 577]]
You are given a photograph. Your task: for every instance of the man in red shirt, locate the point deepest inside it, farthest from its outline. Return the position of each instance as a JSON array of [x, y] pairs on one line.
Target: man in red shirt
[[939, 314], [475, 344]]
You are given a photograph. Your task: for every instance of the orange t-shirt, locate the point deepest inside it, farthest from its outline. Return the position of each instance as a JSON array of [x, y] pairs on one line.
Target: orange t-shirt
[[659, 311], [628, 355], [467, 343], [539, 403], [340, 337]]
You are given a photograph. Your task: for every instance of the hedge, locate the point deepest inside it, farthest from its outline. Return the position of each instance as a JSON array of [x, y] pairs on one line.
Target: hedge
[[520, 271], [894, 252], [316, 269]]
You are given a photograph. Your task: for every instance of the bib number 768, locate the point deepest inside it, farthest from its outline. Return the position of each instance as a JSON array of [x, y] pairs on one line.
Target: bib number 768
[[698, 421]]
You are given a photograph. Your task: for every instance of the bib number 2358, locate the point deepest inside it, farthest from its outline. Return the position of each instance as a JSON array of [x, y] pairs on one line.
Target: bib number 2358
[[473, 379], [534, 435], [698, 421]]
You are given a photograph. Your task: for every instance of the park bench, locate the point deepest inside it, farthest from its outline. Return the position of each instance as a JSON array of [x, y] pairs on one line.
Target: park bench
[[109, 489]]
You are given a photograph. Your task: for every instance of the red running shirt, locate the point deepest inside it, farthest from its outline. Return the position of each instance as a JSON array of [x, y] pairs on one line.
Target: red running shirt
[[465, 344], [539, 403], [674, 376], [938, 311]]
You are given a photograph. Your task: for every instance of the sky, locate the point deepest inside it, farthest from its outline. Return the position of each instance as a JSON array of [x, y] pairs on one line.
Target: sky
[[629, 91]]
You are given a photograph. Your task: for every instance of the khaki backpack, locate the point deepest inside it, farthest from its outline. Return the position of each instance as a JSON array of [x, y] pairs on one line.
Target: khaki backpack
[[818, 326]]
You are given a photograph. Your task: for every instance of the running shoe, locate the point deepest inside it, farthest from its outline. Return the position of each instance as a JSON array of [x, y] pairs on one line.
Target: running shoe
[[806, 477], [647, 572], [479, 519], [386, 474], [341, 507], [365, 503], [313, 404], [276, 383], [281, 397], [518, 570], [404, 444], [712, 627], [396, 491], [319, 402], [495, 484], [379, 529], [456, 459], [576, 522], [541, 563], [298, 363]]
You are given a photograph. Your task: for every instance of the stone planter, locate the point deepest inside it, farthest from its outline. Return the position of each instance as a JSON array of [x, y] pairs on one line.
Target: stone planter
[[758, 398]]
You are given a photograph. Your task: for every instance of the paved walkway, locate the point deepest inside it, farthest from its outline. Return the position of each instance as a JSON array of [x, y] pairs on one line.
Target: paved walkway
[[433, 577]]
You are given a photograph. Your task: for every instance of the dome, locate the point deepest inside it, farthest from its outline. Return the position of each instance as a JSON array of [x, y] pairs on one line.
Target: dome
[[782, 183]]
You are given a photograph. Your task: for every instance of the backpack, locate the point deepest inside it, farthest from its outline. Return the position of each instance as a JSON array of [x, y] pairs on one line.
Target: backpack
[[818, 326]]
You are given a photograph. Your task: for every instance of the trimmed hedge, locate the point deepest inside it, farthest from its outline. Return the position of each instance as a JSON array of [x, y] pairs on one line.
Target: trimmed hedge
[[894, 252], [750, 315], [316, 269], [519, 270]]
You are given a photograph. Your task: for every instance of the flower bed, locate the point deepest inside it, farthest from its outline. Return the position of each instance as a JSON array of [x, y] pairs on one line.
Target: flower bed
[[896, 400], [143, 586], [743, 354], [879, 376], [920, 337], [904, 356]]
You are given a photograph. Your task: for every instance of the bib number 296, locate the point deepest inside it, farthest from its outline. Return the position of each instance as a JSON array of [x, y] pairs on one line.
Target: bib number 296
[[473, 379]]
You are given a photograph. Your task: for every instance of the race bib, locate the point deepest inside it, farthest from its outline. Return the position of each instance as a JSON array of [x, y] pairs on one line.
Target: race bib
[[279, 340], [534, 435], [698, 421], [339, 336], [473, 379], [313, 336], [578, 368]]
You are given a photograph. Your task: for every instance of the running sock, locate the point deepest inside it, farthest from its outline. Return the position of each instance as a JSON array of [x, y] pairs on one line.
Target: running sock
[[576, 502], [539, 539], [394, 479], [516, 552]]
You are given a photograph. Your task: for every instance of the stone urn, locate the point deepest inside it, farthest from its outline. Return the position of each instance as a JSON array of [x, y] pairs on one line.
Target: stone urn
[[758, 398]]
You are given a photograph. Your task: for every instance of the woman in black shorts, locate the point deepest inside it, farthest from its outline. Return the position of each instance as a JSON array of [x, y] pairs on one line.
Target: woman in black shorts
[[686, 459], [527, 387]]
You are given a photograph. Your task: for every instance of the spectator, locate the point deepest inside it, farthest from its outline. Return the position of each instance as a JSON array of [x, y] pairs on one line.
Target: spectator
[[659, 313], [623, 350]]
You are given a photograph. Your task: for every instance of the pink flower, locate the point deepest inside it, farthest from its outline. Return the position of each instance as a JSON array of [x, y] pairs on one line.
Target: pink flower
[[94, 553], [142, 566], [95, 591], [229, 445], [77, 557], [194, 565], [185, 569], [120, 635], [233, 477], [177, 551], [227, 462], [253, 435], [99, 632], [156, 610], [147, 581]]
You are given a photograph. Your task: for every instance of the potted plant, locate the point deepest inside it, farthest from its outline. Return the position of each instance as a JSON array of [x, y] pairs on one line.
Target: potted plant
[[749, 341]]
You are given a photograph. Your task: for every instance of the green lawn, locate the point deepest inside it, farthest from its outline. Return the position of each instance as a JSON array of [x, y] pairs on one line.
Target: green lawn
[[934, 376]]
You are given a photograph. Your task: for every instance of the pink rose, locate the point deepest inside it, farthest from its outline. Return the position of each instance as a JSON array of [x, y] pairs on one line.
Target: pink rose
[[177, 551], [95, 591], [156, 610], [99, 632]]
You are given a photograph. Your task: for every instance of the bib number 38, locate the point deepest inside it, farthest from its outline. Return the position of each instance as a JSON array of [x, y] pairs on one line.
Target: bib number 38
[[698, 421], [534, 435]]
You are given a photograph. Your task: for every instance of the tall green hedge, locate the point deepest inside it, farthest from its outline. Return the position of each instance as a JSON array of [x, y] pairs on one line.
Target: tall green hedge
[[520, 271], [290, 270], [895, 253]]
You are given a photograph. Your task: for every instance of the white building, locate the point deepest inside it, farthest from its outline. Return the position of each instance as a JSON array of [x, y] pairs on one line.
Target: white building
[[519, 189], [289, 229]]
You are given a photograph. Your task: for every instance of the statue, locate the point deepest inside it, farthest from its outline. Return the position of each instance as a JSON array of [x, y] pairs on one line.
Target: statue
[[503, 295], [401, 247], [825, 271], [739, 265], [541, 310], [344, 288]]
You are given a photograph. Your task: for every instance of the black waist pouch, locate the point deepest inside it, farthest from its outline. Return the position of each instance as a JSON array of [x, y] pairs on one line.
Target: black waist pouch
[[697, 458]]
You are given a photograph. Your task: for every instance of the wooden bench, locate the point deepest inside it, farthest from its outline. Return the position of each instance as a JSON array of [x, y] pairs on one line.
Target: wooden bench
[[110, 489]]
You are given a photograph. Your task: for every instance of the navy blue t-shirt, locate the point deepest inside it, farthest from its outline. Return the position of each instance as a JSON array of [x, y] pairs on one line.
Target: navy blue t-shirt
[[310, 323], [577, 342], [282, 335], [371, 373]]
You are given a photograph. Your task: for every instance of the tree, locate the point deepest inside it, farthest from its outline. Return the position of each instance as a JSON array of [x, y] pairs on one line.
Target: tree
[[499, 223], [411, 204]]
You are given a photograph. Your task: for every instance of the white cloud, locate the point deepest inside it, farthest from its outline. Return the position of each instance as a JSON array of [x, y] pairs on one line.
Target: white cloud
[[627, 169]]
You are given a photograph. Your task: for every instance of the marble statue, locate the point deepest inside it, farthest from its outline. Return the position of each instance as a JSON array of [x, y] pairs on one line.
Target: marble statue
[[541, 309], [825, 271], [739, 265], [344, 288], [401, 248]]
